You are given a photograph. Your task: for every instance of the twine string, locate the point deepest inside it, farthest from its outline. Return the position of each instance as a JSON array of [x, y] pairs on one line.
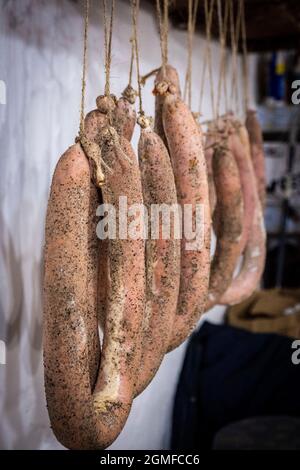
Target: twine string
[[207, 56], [245, 55], [84, 65], [192, 17], [163, 24], [108, 29]]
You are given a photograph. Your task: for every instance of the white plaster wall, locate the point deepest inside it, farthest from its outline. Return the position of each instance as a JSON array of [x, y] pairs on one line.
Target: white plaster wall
[[40, 64]]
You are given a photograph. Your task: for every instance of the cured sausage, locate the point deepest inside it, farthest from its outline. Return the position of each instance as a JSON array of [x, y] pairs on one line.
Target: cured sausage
[[188, 161], [94, 121], [240, 147], [83, 416], [209, 144], [257, 153], [252, 268], [163, 83], [162, 254], [115, 386], [94, 124], [71, 343], [124, 118], [230, 219], [245, 283]]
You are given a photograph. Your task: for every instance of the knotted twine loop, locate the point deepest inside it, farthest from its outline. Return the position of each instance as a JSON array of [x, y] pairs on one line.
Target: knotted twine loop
[[93, 152], [164, 86], [106, 103], [90, 148], [109, 138], [219, 131], [129, 93]]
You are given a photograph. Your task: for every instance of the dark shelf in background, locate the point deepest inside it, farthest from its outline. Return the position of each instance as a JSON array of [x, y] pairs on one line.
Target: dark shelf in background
[[278, 136], [274, 235], [270, 24]]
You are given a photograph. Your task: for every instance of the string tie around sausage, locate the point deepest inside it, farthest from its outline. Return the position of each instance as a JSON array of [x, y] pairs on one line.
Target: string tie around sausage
[[106, 104], [163, 88], [219, 134], [144, 121], [110, 138], [196, 115], [93, 153], [129, 94]]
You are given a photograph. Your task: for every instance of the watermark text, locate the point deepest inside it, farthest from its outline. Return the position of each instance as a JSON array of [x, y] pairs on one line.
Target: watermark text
[[296, 354], [2, 92], [159, 221]]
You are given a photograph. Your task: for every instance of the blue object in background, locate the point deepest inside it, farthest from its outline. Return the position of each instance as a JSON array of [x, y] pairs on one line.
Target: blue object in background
[[277, 77]]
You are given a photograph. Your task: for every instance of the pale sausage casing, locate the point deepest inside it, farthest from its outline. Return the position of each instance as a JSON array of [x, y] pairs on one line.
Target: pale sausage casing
[[257, 153], [169, 79], [229, 210], [188, 161], [253, 264], [162, 253], [121, 349], [124, 116], [240, 147], [71, 343]]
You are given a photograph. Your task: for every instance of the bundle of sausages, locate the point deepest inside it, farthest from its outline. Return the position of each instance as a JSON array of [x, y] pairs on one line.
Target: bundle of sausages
[[147, 294], [236, 174]]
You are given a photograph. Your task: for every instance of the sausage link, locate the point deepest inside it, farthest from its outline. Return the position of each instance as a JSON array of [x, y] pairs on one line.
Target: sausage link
[[124, 118], [257, 153], [71, 343], [252, 268], [79, 419], [103, 275], [188, 161], [215, 131], [169, 80], [240, 147], [121, 349], [230, 222], [245, 283], [162, 256], [208, 152], [92, 285], [94, 124]]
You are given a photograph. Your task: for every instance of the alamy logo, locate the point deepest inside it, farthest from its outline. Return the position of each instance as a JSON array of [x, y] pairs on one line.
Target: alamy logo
[[159, 221], [296, 354], [2, 352], [296, 94], [2, 92]]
